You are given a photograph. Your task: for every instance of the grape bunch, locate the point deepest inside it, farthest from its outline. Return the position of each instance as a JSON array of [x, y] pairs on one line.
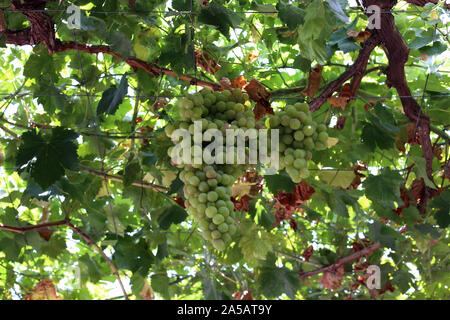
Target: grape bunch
[[208, 193], [299, 136], [208, 187]]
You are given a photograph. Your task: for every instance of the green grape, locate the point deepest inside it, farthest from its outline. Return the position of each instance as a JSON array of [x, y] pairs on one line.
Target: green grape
[[308, 130], [223, 227], [207, 235], [230, 206], [309, 143], [289, 151], [212, 196], [231, 229], [216, 234], [294, 124], [226, 237], [299, 135], [302, 107], [287, 139], [194, 180], [285, 120], [203, 186], [299, 154], [218, 219], [220, 204], [212, 183], [323, 137], [169, 129], [211, 212], [304, 173], [202, 197], [223, 210], [221, 106], [288, 160], [203, 224], [303, 117], [274, 122], [219, 244], [242, 122], [299, 163]]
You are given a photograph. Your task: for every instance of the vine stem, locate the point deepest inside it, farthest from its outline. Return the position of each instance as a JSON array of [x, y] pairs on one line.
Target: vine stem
[[103, 174], [365, 252], [85, 237]]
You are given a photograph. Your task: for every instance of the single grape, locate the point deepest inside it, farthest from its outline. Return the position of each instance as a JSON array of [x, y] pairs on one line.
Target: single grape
[[218, 219], [212, 196], [211, 212]]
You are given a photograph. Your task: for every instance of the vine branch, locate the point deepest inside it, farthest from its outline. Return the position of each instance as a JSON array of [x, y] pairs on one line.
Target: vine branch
[[364, 252], [85, 237]]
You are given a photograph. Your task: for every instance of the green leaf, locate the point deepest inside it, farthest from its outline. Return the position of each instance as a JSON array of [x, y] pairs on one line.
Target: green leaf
[[275, 281], [435, 49], [160, 283], [383, 234], [220, 17], [209, 287], [120, 44], [421, 171], [426, 228], [255, 244], [289, 14], [338, 200], [181, 5], [337, 178], [381, 129], [176, 186], [171, 215], [336, 7], [131, 173], [442, 204], [46, 158], [279, 182], [113, 97], [384, 188], [411, 214]]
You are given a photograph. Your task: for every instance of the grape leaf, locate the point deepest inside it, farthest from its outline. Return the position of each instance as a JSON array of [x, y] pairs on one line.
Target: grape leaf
[[220, 17], [113, 97], [276, 281], [46, 158], [289, 14], [173, 214], [279, 182], [384, 188]]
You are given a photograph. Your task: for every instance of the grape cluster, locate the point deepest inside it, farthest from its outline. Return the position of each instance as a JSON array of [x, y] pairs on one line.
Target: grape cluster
[[299, 136], [208, 187], [208, 195]]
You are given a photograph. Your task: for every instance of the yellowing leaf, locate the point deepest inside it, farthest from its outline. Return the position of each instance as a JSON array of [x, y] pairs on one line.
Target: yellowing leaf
[[141, 52], [359, 36], [102, 192], [332, 141], [255, 244], [147, 292], [337, 178], [241, 189], [44, 290]]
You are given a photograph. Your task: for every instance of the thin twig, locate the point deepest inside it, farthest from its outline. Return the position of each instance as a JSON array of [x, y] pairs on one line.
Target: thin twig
[[365, 252]]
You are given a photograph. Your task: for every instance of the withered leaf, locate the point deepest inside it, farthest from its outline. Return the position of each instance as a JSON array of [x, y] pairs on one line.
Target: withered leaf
[[44, 290], [314, 80]]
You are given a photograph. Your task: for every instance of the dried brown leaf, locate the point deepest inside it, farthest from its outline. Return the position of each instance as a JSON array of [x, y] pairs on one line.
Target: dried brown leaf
[[314, 80], [44, 290]]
